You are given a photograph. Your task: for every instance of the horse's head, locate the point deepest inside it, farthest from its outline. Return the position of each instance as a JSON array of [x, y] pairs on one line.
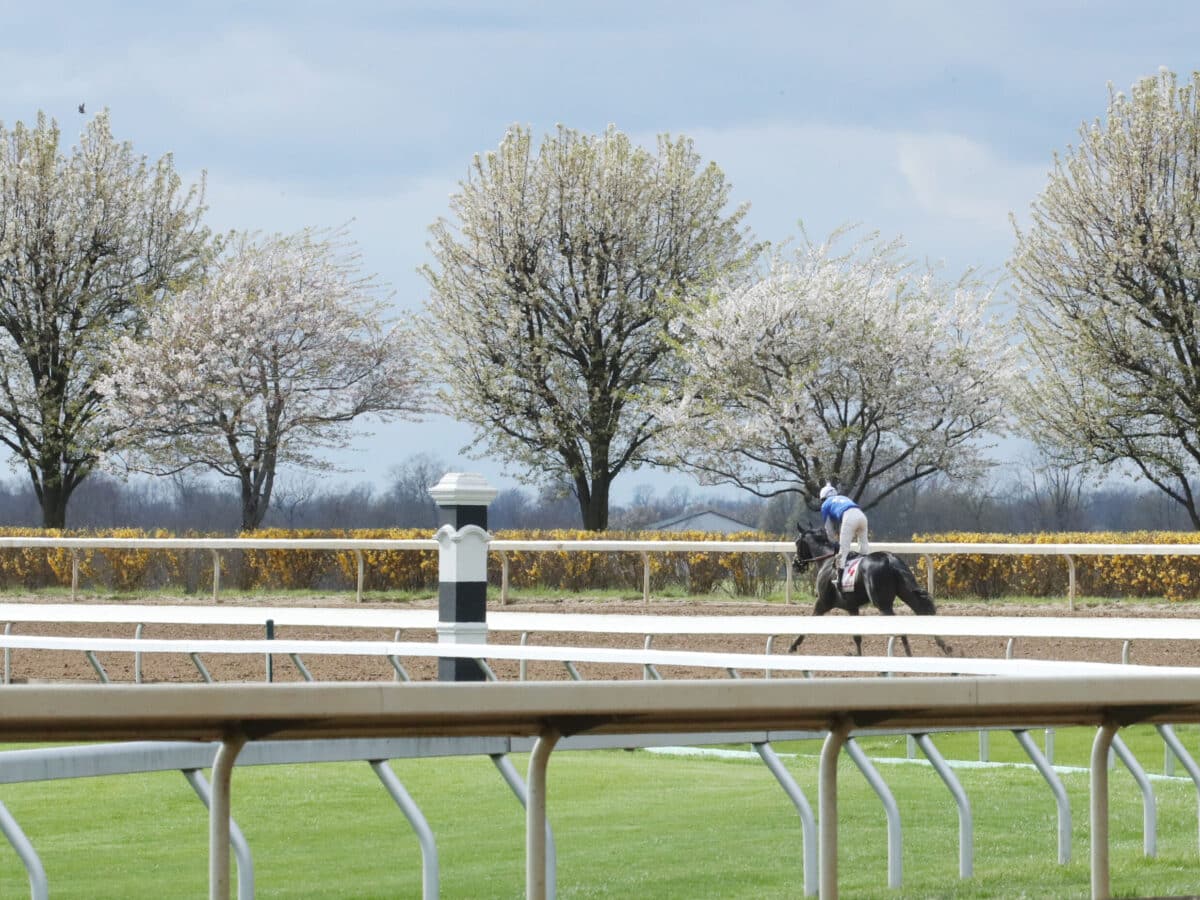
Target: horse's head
[[811, 545]]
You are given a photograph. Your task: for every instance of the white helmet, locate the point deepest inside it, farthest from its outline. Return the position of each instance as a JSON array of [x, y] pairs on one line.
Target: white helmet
[[828, 491]]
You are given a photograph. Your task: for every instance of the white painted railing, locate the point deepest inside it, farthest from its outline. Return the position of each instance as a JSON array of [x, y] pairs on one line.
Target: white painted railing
[[784, 549]]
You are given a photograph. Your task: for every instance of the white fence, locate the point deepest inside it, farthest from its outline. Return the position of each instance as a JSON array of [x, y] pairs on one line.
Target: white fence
[[234, 714], [785, 550]]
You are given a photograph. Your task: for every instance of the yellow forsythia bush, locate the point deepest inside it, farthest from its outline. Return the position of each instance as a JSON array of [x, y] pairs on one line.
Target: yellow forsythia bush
[[986, 575], [408, 570], [701, 573]]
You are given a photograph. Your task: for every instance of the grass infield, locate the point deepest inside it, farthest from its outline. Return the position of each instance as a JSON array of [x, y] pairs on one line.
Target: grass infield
[[626, 824]]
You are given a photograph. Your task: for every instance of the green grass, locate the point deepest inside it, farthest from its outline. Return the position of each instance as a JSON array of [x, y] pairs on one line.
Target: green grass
[[625, 824]]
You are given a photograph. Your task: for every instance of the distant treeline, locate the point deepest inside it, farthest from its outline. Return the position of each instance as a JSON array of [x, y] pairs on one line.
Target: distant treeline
[[403, 502]]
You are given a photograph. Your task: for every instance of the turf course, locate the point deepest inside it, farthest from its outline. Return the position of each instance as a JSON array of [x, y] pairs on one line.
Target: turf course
[[626, 824]]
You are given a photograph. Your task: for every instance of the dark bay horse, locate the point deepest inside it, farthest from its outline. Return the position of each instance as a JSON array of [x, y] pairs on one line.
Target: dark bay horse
[[882, 577]]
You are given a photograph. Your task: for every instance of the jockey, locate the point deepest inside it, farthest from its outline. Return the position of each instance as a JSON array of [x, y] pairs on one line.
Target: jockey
[[844, 522]]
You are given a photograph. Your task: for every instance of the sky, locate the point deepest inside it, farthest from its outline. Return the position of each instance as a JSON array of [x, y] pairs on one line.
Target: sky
[[925, 119]]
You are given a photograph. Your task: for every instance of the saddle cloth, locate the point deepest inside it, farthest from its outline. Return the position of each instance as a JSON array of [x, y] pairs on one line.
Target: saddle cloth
[[850, 574]]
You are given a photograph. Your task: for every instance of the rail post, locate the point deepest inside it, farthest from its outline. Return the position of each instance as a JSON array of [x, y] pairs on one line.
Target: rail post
[[462, 499]]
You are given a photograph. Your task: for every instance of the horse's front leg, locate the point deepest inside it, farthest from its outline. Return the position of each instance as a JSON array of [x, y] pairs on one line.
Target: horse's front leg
[[825, 602]]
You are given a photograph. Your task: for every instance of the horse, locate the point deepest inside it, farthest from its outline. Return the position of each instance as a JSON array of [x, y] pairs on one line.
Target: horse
[[881, 578]]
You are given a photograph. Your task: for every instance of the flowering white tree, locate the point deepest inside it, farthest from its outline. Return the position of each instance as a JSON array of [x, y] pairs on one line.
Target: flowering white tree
[[552, 294], [266, 361], [86, 242], [1110, 276], [848, 368]]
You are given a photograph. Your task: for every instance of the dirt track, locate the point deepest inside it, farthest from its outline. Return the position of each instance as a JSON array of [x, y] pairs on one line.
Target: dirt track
[[54, 666]]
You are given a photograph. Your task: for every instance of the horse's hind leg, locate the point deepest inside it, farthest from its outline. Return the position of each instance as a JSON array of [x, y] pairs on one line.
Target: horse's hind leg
[[887, 610]]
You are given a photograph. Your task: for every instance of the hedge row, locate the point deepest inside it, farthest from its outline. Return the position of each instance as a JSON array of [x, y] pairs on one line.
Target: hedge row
[[984, 575], [742, 574], [384, 570]]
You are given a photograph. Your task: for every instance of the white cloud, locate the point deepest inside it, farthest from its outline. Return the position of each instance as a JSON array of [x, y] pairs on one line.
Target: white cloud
[[960, 180], [389, 224], [948, 195]]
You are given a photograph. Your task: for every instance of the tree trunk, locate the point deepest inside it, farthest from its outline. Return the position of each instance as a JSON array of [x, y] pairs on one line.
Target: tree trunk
[[593, 505], [54, 506]]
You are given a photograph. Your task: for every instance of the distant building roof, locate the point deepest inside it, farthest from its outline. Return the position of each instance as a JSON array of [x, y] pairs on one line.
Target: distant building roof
[[702, 520]]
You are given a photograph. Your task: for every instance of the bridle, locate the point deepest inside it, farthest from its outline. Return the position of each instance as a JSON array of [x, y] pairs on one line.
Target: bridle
[[814, 559]]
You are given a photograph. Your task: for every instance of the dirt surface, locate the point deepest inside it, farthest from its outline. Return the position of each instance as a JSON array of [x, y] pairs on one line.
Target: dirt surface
[[48, 666]]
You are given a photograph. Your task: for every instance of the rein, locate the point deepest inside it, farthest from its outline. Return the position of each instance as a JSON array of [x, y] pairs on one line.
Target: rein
[[829, 555]]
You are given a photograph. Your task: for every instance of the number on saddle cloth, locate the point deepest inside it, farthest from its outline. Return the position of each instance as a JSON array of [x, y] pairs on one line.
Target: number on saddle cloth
[[850, 574]]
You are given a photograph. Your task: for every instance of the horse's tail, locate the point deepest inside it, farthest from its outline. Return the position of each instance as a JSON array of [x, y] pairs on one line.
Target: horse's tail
[[918, 599]]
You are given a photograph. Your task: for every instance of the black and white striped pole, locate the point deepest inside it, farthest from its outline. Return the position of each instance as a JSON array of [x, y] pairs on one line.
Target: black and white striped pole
[[462, 536]]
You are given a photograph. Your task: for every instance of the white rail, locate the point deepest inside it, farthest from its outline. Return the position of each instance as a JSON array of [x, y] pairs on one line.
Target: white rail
[[600, 655], [544, 711], [1110, 628], [784, 549]]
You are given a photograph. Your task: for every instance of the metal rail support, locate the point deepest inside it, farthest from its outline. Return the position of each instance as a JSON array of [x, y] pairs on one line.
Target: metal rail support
[[401, 672], [241, 847], [503, 577], [827, 808], [1149, 808], [74, 575], [1070, 582], [304, 673], [362, 574], [137, 657], [39, 886], [517, 786], [808, 822], [1175, 746], [219, 816], [651, 673], [787, 577], [270, 658], [892, 811], [535, 816], [412, 812], [201, 668], [216, 576], [8, 655], [91, 657], [645, 577], [1101, 881], [966, 825], [1061, 799]]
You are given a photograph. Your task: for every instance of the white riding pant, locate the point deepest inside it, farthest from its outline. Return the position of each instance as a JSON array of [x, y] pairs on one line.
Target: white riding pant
[[854, 528]]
